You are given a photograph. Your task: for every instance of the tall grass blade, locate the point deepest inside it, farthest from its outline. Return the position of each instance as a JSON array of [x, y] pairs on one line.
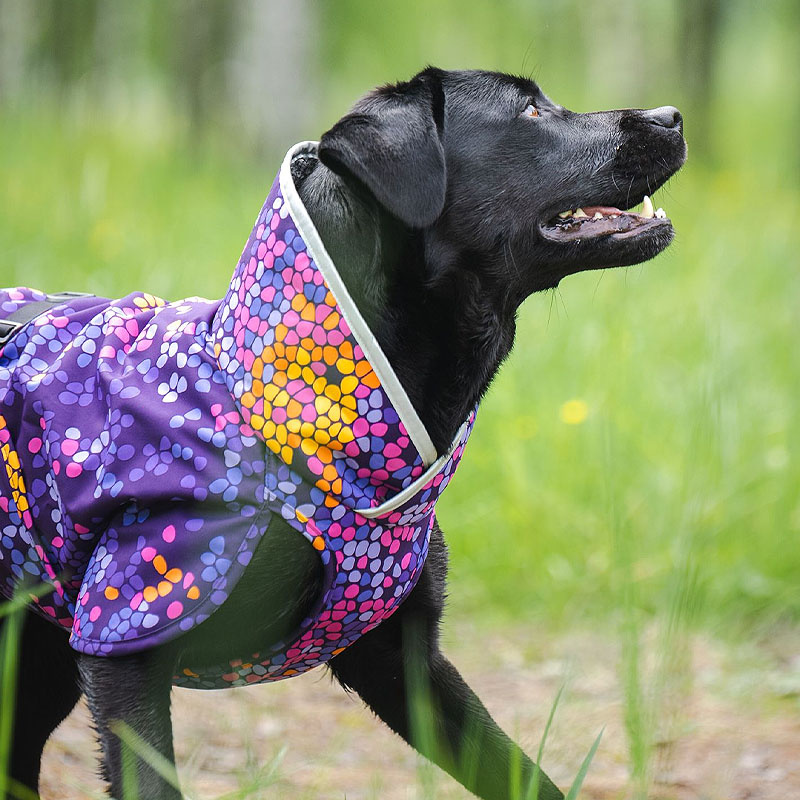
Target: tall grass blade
[[130, 782], [9, 650], [572, 794], [22, 598], [261, 778], [422, 717], [533, 787], [147, 753], [19, 792]]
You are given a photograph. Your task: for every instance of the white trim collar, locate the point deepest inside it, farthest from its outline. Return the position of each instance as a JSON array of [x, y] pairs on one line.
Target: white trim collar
[[363, 335]]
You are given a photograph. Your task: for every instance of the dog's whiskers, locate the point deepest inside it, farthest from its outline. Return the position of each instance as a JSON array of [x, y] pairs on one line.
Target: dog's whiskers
[[597, 286], [563, 304], [550, 310]]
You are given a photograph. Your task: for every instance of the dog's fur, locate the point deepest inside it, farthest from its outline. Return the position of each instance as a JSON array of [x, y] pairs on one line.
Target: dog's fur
[[433, 198]]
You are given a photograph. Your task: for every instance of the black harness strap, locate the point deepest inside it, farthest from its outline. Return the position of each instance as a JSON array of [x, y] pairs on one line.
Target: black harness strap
[[14, 322]]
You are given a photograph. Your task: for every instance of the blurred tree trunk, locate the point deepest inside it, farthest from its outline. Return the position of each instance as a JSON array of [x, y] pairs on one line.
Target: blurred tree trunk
[[120, 61], [791, 16], [17, 31], [201, 38], [273, 75], [700, 28], [66, 42], [622, 23]]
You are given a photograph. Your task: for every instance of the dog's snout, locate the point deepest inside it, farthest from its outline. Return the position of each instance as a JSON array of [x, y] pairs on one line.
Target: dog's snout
[[664, 117]]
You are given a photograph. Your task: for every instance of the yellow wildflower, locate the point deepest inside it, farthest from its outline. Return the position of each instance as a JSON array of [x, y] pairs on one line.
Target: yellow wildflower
[[574, 412]]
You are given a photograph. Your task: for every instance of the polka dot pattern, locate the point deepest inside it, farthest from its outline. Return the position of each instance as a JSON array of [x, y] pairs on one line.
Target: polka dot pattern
[[301, 378], [146, 446]]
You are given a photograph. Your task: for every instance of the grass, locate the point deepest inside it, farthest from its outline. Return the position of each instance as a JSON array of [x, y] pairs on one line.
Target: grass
[[8, 675], [636, 461], [259, 778], [683, 373]]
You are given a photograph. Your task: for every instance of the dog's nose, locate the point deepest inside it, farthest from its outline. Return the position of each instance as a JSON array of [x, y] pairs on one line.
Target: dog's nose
[[664, 117]]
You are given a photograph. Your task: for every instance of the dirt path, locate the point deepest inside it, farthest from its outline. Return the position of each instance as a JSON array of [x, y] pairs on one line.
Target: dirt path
[[728, 728]]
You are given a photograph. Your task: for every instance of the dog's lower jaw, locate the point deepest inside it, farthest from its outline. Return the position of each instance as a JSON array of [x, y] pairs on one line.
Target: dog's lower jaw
[[560, 260]]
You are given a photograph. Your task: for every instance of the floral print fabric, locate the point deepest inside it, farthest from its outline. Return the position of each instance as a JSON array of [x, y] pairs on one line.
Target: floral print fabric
[[146, 446]]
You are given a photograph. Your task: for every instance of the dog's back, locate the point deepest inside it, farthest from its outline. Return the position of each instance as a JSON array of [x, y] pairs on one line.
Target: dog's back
[[109, 505]]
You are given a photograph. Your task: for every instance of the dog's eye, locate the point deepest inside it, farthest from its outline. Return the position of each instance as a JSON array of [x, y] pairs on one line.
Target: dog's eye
[[530, 111]]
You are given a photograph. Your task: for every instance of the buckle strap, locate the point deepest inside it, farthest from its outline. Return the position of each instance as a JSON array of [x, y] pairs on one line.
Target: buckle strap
[[8, 328], [62, 297], [10, 325]]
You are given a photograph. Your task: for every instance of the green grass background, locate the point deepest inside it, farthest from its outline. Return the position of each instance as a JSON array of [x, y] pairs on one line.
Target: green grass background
[[673, 501]]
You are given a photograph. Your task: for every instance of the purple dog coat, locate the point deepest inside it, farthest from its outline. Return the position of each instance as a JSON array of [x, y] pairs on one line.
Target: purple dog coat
[[147, 445]]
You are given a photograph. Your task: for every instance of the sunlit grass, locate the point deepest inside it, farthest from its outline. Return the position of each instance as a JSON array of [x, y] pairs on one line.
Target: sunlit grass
[[687, 365], [635, 465], [9, 647]]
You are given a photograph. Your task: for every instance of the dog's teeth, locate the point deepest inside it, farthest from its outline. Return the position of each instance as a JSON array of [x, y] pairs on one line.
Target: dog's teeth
[[647, 208], [565, 214], [660, 213], [597, 215], [579, 212]]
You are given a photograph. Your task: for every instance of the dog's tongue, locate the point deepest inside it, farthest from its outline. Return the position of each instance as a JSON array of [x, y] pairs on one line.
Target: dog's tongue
[[590, 211]]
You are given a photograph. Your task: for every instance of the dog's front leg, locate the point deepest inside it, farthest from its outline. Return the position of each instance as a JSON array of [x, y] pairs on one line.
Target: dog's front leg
[[402, 675], [129, 697], [459, 734]]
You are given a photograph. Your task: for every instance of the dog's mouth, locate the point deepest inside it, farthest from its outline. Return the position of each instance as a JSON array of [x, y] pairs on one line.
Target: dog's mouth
[[592, 222], [599, 236]]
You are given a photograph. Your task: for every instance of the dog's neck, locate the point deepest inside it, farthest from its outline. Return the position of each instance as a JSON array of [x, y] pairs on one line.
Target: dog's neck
[[444, 328]]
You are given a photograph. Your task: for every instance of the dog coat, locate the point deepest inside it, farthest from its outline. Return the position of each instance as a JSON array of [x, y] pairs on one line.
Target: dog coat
[[147, 445]]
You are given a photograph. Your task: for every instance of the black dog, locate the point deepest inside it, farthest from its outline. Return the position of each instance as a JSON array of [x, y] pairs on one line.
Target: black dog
[[445, 201]]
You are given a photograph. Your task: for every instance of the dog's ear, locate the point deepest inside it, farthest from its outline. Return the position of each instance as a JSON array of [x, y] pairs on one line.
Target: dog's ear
[[392, 144]]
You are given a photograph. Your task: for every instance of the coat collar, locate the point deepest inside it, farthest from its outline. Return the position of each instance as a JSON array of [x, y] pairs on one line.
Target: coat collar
[[307, 372]]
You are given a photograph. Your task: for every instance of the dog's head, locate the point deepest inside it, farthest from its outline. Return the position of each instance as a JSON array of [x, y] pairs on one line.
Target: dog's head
[[497, 173]]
